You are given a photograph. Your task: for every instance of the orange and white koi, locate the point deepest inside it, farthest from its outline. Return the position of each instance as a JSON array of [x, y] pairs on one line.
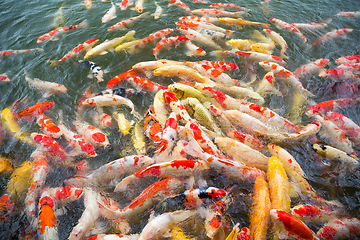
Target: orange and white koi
[[163, 223], [108, 45], [169, 136], [348, 162], [219, 65], [348, 14], [11, 126], [40, 170], [4, 78], [311, 26], [53, 35], [160, 110], [110, 14], [339, 33], [242, 153], [200, 19], [15, 52], [112, 170], [330, 105], [216, 12], [352, 130], [125, 4], [47, 220], [291, 226], [199, 38], [352, 67], [309, 130], [252, 56], [267, 85], [239, 23], [48, 88], [249, 140], [277, 38], [193, 50], [339, 228], [312, 68], [288, 27], [292, 168], [183, 72], [348, 59], [121, 77], [76, 51], [127, 22], [287, 76], [167, 43], [92, 134], [144, 84], [139, 5], [52, 149], [203, 25], [260, 209], [227, 167], [340, 75], [152, 127], [312, 213], [144, 200], [88, 4], [29, 113], [181, 5], [230, 6], [152, 38], [48, 127]]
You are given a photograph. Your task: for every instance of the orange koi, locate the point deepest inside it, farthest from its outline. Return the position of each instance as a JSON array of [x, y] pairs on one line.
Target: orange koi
[[32, 112], [47, 220]]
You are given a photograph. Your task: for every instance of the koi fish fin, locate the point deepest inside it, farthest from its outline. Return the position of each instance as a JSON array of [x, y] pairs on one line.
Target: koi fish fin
[[54, 38], [104, 52], [47, 94], [121, 186]]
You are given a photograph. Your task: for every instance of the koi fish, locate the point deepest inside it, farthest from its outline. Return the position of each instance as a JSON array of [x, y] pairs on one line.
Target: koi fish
[[33, 111], [152, 38], [160, 110], [47, 220], [193, 50], [139, 5], [152, 127], [260, 209], [4, 78], [76, 51], [249, 140], [48, 88], [200, 19], [241, 92], [230, 6], [127, 22], [348, 59], [241, 44], [6, 165], [198, 37], [121, 77], [178, 234], [55, 34], [144, 84], [252, 56], [59, 17], [311, 26], [108, 45], [339, 228], [291, 226], [203, 25], [158, 11], [220, 65], [239, 23], [289, 28], [128, 46], [114, 236], [88, 4], [125, 4], [267, 85], [216, 13], [352, 130], [312, 68], [339, 74], [309, 130], [92, 134], [138, 139], [181, 5], [353, 67], [15, 52], [312, 213], [48, 127], [167, 43], [95, 69], [287, 76], [330, 105], [123, 92], [277, 38], [110, 14], [19, 182], [339, 33], [348, 14]]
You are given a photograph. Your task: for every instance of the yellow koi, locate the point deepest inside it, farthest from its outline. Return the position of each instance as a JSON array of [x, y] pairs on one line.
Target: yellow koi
[[239, 22], [20, 181], [138, 139]]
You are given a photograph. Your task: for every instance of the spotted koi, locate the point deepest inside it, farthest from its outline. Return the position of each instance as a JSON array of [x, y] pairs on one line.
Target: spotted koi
[[230, 6], [352, 130], [92, 134], [121, 77], [312, 213], [277, 38], [252, 56], [339, 33], [348, 59], [144, 84], [53, 35], [248, 139], [181, 5], [199, 38], [48, 127], [216, 13], [16, 52], [167, 43], [339, 228], [127, 22], [339, 75], [152, 38], [289, 28], [311, 68], [193, 50]]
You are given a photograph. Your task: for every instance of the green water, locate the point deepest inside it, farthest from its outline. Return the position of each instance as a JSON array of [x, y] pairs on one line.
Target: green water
[[22, 22]]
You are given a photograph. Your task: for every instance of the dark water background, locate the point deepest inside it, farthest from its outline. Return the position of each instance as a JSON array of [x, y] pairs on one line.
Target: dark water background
[[22, 22]]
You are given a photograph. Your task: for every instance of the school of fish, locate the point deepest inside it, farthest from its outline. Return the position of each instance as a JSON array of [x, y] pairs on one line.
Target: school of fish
[[208, 154]]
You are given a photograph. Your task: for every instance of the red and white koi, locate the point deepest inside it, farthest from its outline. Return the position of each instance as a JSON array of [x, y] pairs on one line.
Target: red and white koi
[[198, 37], [348, 59], [334, 135], [53, 35], [249, 140], [168, 139], [287, 76], [277, 38], [92, 134], [352, 67], [219, 65], [311, 26], [312, 68], [139, 5], [125, 4], [110, 14], [203, 25], [352, 130], [114, 237], [267, 85], [181, 5], [288, 27], [338, 33], [144, 84], [4, 78], [40, 170], [162, 224], [200, 19], [291, 226], [76, 51], [193, 50], [348, 14], [312, 213], [340, 74], [15, 52], [216, 12], [339, 228], [152, 38], [52, 149], [230, 6], [167, 43], [127, 22], [330, 105], [88, 4], [48, 88], [95, 69], [309, 130], [252, 56], [48, 127]]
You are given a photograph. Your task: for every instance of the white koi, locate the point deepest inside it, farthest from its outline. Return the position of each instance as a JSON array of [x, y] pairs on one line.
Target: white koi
[[110, 14]]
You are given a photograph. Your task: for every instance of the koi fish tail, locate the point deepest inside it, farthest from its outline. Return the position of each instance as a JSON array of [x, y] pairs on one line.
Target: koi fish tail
[[84, 24], [283, 56], [54, 63]]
